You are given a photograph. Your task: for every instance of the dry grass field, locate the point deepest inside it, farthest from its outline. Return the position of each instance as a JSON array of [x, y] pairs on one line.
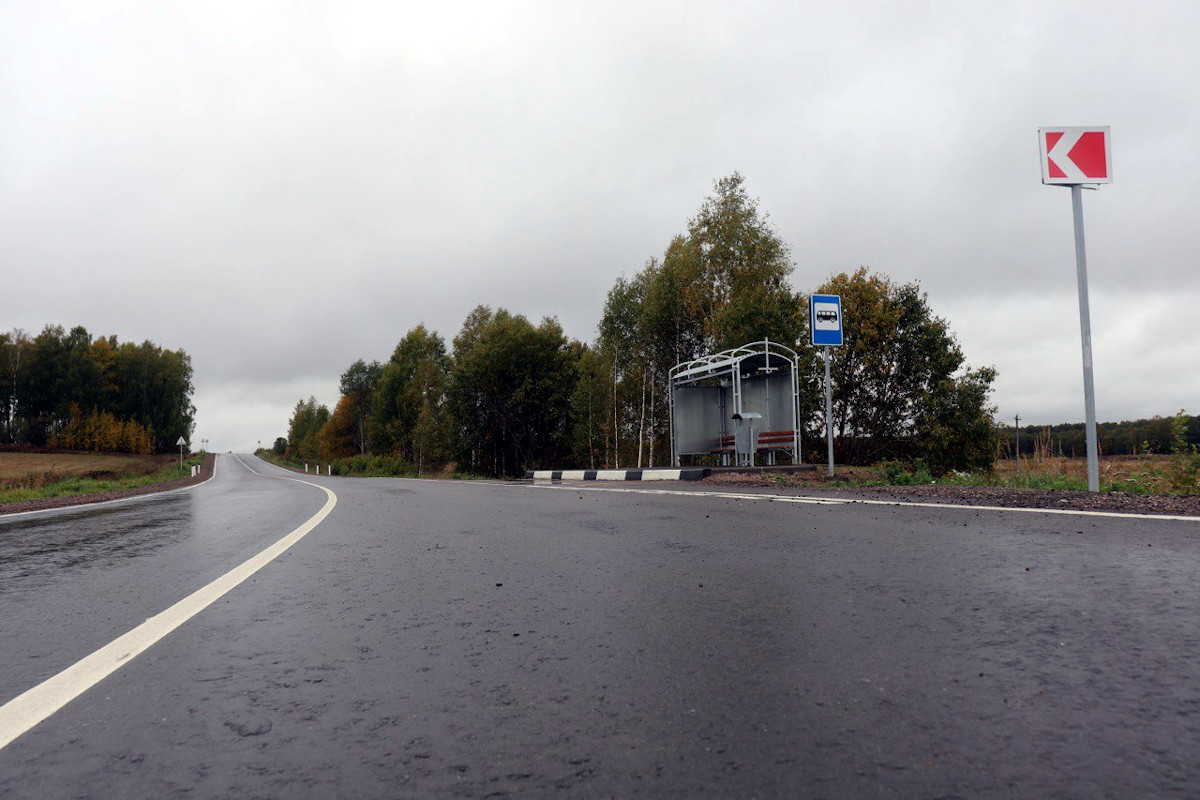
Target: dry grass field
[[1141, 473], [35, 470], [1112, 468]]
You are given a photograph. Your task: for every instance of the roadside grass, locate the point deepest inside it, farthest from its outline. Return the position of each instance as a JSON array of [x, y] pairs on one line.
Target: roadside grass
[[370, 466], [1144, 474], [36, 476]]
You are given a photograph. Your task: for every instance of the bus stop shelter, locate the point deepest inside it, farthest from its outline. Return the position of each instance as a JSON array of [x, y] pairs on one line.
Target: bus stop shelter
[[737, 403]]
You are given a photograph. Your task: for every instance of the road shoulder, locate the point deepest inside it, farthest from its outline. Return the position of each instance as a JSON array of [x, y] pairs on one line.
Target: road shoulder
[[45, 503]]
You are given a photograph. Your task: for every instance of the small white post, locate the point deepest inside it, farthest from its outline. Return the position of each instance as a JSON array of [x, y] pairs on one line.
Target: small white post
[[306, 467]]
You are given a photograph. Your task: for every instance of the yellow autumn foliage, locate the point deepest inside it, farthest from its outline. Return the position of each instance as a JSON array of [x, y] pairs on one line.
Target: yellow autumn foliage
[[101, 432]]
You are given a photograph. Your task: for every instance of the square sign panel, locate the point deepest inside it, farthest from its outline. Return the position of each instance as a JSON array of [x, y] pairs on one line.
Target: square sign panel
[[1075, 155], [825, 320]]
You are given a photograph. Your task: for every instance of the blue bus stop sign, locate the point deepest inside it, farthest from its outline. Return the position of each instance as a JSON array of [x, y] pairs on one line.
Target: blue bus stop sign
[[825, 319]]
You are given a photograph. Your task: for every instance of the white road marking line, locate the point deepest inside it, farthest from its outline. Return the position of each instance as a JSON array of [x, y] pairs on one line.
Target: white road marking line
[[86, 506], [37, 704], [828, 501]]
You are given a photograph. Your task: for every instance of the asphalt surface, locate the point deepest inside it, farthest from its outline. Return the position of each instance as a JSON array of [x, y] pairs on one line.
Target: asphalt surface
[[444, 639]]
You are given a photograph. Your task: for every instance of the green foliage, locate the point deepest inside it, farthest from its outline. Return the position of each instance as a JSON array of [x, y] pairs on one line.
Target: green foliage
[[624, 354], [52, 381], [896, 473], [952, 422], [409, 417], [502, 405], [510, 392], [280, 446], [431, 438], [304, 430], [741, 293], [1185, 457], [1137, 483], [374, 466], [897, 385], [358, 386], [589, 409], [1031, 479]]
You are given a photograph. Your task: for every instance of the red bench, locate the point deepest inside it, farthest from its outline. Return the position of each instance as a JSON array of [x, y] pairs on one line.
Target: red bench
[[767, 440], [776, 440]]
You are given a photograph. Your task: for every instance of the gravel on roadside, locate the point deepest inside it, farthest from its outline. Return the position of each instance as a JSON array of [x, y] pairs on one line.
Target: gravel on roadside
[[1119, 502]]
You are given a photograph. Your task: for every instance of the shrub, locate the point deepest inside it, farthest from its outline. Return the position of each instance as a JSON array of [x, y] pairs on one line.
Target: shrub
[[1185, 458], [897, 474]]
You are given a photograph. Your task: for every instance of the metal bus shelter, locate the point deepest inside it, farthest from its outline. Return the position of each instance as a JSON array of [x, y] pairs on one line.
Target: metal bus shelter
[[737, 402]]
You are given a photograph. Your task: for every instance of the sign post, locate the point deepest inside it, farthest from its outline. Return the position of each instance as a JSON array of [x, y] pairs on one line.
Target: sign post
[[825, 325], [1073, 157], [181, 444]]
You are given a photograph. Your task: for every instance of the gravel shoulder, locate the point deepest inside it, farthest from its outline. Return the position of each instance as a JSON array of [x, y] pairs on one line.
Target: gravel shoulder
[[1119, 502], [206, 472]]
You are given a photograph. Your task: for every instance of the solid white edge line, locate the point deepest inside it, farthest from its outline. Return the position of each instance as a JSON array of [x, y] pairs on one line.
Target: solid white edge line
[[27, 710], [83, 506], [809, 499]]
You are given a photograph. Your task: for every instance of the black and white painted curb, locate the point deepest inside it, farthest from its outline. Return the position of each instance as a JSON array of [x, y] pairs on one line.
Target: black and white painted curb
[[688, 474]]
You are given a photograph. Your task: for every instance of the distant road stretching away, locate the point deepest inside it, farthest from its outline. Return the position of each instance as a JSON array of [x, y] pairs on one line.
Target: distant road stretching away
[[388, 638]]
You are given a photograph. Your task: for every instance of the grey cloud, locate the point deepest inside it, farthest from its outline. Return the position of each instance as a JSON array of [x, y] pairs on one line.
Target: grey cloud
[[283, 188]]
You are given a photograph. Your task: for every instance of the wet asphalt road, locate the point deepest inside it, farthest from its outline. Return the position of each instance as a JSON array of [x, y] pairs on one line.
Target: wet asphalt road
[[442, 639]]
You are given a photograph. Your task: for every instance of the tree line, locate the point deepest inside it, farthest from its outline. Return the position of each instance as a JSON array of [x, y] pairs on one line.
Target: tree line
[[508, 395], [65, 389], [1157, 435]]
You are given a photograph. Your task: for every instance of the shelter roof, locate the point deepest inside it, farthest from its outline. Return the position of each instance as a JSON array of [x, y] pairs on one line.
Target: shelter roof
[[754, 357]]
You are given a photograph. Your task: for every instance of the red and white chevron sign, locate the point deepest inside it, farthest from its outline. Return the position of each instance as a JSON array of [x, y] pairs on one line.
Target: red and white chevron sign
[[1075, 155]]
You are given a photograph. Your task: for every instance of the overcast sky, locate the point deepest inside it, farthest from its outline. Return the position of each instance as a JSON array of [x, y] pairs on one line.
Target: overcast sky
[[281, 188]]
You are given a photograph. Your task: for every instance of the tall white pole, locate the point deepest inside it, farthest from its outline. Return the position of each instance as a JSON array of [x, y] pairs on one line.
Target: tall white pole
[[1085, 331]]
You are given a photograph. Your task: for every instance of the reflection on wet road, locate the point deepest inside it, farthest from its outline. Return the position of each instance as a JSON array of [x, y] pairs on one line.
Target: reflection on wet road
[[36, 549], [74, 579]]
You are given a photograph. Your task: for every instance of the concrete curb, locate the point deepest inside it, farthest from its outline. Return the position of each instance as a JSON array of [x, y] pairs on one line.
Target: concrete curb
[[687, 474]]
